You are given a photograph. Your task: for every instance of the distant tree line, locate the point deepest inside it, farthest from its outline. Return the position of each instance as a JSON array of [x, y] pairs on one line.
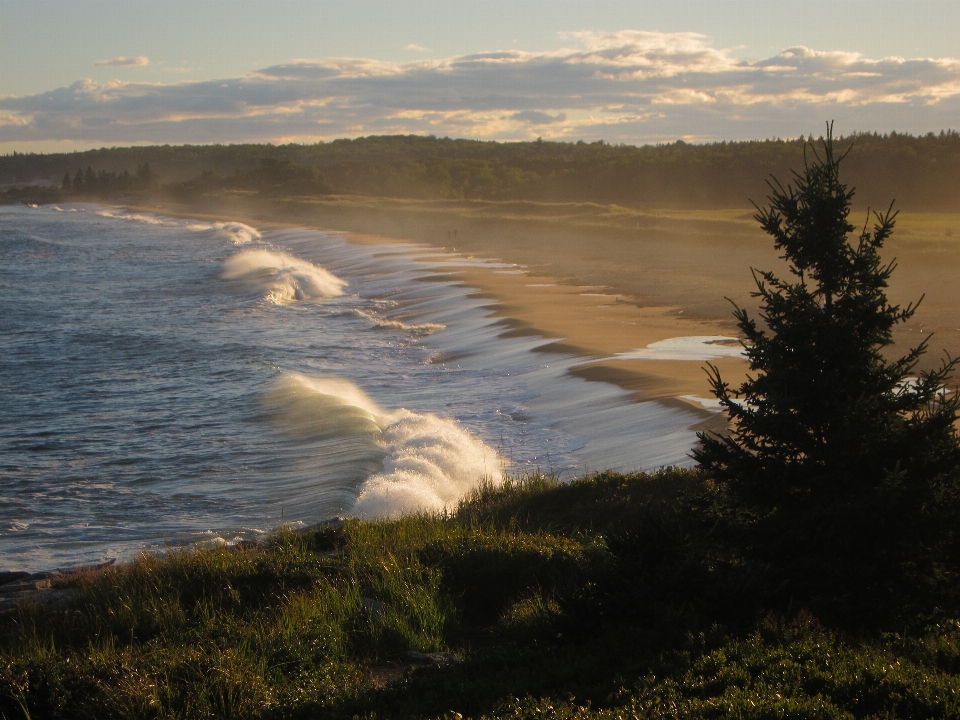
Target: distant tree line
[[103, 182], [922, 173]]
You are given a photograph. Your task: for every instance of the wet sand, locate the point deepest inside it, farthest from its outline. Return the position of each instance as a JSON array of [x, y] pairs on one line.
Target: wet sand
[[607, 280], [593, 322]]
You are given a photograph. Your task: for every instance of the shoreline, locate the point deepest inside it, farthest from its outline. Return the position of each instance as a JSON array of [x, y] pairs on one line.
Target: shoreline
[[600, 289], [619, 449], [588, 321]]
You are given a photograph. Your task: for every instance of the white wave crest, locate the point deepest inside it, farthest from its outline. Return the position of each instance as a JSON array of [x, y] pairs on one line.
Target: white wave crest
[[429, 462], [135, 217], [282, 277], [335, 391], [421, 328], [239, 233]]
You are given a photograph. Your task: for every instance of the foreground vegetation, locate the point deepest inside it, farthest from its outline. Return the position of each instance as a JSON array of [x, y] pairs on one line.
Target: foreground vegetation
[[614, 596]]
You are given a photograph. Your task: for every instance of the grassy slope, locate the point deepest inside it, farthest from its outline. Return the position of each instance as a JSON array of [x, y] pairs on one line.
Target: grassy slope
[[532, 584]]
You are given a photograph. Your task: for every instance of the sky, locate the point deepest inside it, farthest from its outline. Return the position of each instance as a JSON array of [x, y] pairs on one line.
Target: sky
[[78, 74]]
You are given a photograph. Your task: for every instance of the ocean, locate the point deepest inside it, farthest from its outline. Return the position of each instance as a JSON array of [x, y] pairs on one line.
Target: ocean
[[166, 382]]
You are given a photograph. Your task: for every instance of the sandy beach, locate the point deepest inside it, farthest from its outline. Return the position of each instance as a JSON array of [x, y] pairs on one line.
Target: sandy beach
[[606, 281]]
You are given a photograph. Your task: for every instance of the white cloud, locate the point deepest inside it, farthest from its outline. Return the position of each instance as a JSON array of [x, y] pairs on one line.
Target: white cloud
[[628, 86], [138, 61], [417, 48]]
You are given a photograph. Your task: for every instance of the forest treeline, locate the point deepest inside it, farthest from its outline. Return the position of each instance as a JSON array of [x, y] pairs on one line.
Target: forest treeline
[[922, 173]]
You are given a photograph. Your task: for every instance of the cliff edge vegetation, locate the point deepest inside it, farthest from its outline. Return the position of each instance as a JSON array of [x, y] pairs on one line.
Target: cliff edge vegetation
[[614, 596]]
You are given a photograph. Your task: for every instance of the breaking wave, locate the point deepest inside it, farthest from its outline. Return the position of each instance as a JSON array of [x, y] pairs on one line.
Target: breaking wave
[[421, 328], [281, 277], [135, 217], [428, 462], [238, 232]]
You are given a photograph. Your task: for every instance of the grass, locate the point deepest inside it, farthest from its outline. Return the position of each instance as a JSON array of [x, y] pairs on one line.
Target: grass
[[602, 598]]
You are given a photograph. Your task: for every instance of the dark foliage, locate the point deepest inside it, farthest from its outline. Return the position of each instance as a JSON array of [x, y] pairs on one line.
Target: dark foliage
[[923, 172], [649, 611]]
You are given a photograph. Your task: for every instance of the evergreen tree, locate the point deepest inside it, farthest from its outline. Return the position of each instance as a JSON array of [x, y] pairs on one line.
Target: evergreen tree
[[145, 176], [824, 417], [78, 180], [839, 482], [67, 183]]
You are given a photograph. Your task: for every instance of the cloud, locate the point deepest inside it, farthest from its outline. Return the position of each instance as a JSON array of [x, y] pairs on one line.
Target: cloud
[[628, 86], [138, 61], [417, 48], [535, 117]]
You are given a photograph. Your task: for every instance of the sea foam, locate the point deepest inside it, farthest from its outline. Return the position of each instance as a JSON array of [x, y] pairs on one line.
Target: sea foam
[[428, 462], [135, 217], [420, 328], [690, 347], [282, 277], [237, 232]]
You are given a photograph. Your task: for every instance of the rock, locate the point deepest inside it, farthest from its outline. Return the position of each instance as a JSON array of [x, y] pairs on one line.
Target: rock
[[8, 576], [24, 586], [45, 575], [373, 609], [87, 568], [440, 659], [333, 523], [44, 595]]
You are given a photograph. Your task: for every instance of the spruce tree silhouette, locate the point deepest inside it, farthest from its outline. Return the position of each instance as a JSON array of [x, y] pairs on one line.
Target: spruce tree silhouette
[[838, 484], [823, 415]]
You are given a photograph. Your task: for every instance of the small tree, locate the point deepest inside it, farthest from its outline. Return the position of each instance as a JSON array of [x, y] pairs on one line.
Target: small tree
[[825, 415], [839, 482]]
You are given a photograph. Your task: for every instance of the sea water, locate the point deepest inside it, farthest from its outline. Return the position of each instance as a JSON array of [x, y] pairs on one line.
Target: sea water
[[165, 382]]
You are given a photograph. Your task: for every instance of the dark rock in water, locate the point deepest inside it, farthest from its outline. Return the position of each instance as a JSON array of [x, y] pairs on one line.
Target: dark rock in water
[[31, 582], [440, 659], [333, 523], [8, 576], [88, 568]]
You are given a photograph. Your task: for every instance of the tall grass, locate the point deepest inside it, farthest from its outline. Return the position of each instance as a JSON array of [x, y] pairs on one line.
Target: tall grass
[[564, 600]]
